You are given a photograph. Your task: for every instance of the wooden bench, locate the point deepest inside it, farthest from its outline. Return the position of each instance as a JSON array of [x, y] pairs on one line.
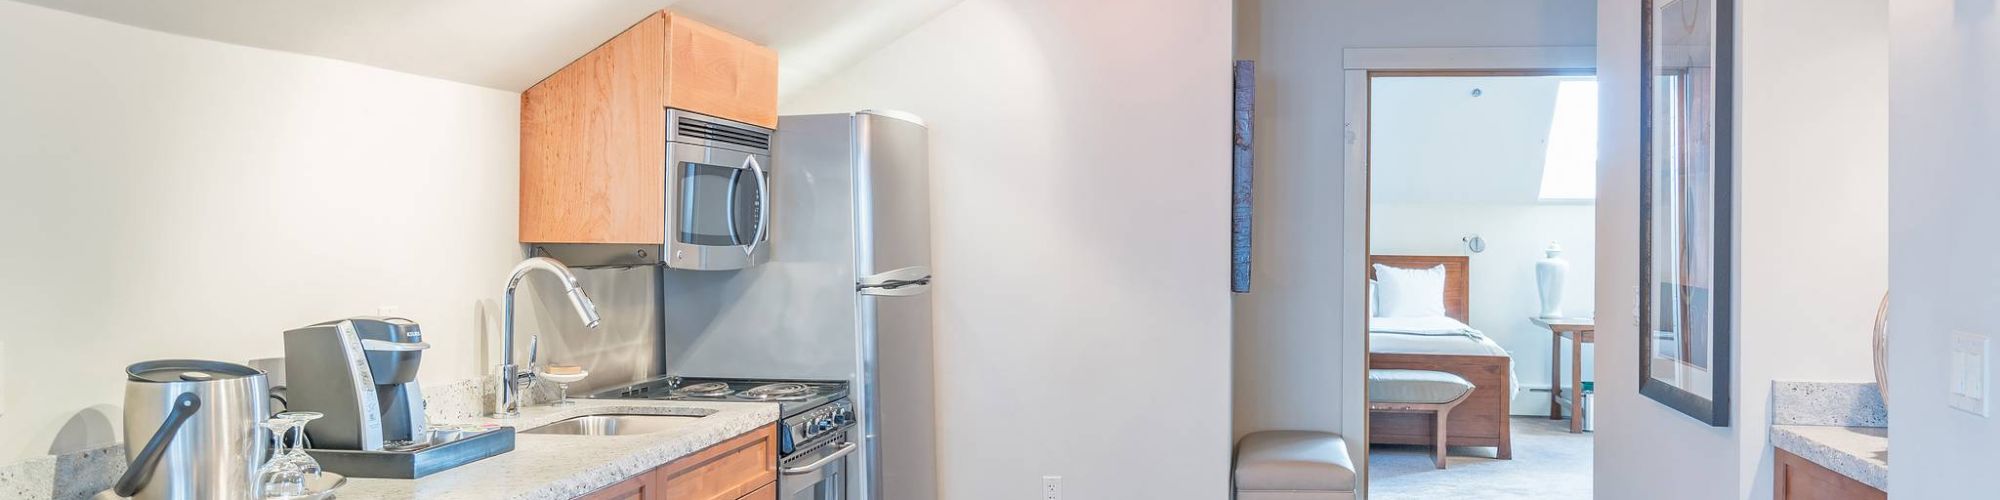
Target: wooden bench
[[1419, 391]]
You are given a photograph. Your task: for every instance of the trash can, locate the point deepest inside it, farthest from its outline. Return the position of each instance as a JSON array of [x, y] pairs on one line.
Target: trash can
[[1589, 408]]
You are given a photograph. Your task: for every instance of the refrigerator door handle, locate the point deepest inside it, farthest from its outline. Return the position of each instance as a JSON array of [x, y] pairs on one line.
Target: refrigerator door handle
[[913, 280]]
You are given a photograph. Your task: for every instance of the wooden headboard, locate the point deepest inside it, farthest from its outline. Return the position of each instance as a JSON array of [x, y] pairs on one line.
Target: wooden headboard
[[1457, 278]]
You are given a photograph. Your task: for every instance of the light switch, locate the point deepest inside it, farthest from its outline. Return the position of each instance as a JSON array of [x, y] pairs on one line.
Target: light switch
[[1969, 372]]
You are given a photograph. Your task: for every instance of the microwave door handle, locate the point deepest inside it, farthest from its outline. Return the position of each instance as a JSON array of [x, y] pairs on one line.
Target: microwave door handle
[[729, 216], [763, 204]]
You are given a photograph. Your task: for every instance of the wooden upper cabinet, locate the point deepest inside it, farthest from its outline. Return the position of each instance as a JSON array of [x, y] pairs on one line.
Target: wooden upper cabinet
[[593, 135], [712, 72]]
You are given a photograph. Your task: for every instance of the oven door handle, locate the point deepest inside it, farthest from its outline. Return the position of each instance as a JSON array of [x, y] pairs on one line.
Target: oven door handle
[[845, 450]]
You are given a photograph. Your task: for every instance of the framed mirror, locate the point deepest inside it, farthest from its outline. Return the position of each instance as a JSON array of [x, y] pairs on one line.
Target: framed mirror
[[1685, 219]]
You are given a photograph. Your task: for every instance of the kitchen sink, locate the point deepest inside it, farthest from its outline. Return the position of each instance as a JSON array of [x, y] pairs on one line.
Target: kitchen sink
[[614, 425]]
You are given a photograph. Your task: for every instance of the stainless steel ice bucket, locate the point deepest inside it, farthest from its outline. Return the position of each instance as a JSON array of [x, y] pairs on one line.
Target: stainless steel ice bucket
[[191, 430]]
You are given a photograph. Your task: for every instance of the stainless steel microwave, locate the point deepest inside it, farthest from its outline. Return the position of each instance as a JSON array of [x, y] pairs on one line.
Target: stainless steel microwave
[[718, 193]]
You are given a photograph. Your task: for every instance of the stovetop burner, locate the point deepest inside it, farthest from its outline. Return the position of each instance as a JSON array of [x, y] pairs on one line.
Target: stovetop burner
[[706, 389], [786, 391]]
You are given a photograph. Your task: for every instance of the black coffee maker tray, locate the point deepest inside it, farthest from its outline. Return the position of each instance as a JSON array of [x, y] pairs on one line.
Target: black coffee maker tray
[[417, 463]]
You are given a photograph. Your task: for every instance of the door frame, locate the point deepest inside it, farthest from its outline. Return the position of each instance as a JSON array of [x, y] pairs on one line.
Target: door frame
[[1359, 66]]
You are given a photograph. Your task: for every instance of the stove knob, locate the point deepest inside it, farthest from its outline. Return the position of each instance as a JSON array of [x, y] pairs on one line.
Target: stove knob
[[823, 424]]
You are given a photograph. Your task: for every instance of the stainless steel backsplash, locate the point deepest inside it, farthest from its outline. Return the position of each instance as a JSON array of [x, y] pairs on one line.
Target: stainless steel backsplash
[[624, 348]]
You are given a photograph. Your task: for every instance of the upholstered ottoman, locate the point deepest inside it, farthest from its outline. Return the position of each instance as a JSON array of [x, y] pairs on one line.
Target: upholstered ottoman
[[1293, 465], [1419, 391]]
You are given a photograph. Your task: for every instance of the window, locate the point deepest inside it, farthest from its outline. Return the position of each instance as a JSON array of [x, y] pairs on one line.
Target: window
[[1569, 168]]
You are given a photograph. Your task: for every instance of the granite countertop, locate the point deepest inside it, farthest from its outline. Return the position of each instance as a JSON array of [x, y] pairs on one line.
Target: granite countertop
[[1861, 453], [1840, 426], [563, 467]]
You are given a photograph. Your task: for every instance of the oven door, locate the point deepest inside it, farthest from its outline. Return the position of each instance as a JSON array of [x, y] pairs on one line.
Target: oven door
[[817, 471], [717, 212]]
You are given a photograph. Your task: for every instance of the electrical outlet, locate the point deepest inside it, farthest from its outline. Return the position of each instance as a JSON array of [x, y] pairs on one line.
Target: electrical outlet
[[388, 311], [1051, 487], [1969, 372]]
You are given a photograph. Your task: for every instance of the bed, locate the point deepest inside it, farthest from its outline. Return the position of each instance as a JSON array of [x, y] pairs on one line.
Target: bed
[[1444, 344]]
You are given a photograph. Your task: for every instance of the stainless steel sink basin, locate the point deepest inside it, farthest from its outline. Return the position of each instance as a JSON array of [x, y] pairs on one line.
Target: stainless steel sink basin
[[615, 425]]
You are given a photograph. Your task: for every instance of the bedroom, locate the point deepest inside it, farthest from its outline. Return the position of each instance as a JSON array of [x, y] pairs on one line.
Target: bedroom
[[1481, 241]]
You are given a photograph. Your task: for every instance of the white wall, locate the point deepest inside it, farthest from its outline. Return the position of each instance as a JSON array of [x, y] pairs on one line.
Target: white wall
[[1081, 182], [1941, 252], [173, 197], [1288, 365], [1504, 293], [1811, 238]]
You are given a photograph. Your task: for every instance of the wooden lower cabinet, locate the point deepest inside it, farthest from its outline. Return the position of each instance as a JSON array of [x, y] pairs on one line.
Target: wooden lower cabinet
[[743, 468], [638, 488], [768, 492], [1800, 479]]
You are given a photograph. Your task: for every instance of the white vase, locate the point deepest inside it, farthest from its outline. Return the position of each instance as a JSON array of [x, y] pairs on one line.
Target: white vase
[[1549, 272]]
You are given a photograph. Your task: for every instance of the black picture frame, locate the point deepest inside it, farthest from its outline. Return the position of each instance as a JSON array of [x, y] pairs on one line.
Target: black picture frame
[[1714, 409]]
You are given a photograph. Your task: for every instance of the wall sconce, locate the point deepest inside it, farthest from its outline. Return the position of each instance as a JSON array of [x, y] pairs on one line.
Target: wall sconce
[[1474, 243]]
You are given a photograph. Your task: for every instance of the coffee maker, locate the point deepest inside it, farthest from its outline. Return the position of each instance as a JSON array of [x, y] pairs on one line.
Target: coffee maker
[[362, 374]]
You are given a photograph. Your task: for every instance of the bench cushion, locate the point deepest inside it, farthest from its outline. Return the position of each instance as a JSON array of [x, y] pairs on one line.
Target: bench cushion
[[1288, 462], [1415, 386]]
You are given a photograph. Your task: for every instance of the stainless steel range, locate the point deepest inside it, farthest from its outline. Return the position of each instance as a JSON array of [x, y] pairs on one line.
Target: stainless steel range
[[817, 425]]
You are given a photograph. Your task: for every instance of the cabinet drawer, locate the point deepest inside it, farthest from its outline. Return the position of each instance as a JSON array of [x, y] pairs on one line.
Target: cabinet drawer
[[638, 488], [1800, 479], [726, 471], [768, 492]]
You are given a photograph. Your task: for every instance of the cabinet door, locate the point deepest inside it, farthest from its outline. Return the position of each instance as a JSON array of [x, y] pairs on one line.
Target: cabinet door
[[712, 72], [638, 488], [1800, 479], [726, 471], [593, 145]]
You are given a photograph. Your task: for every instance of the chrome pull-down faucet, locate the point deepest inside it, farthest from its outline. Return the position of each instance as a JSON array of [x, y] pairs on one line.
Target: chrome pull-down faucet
[[507, 395]]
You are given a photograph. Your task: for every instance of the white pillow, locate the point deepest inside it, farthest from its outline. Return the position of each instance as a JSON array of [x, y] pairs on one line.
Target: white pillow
[[1409, 293]]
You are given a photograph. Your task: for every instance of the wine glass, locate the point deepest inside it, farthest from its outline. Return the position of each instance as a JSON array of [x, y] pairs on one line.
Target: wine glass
[[280, 477], [297, 453]]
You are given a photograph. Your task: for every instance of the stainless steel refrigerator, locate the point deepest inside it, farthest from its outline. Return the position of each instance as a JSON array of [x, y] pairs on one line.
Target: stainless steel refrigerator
[[844, 295]]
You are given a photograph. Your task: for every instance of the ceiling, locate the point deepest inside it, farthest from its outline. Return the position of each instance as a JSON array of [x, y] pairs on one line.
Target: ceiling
[[511, 44], [1432, 141]]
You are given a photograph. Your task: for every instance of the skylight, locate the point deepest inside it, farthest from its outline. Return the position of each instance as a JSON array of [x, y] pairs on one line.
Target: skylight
[[1569, 169]]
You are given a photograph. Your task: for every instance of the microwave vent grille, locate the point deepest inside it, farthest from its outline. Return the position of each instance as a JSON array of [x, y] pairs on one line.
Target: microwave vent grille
[[716, 132]]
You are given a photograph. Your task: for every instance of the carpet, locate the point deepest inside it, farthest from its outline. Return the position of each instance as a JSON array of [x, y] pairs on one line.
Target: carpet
[[1549, 464]]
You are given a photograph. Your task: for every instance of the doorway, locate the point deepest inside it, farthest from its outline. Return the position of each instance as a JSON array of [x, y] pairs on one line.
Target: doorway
[[1478, 229]]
